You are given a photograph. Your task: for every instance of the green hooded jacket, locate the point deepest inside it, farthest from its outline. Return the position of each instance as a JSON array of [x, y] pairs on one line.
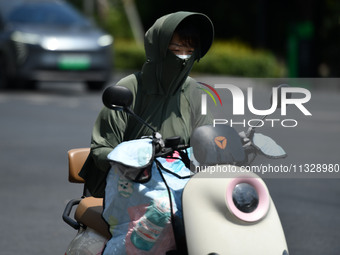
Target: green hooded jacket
[[164, 96]]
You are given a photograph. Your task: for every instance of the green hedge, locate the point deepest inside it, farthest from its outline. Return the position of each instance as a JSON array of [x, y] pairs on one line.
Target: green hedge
[[224, 58], [128, 55], [237, 59]]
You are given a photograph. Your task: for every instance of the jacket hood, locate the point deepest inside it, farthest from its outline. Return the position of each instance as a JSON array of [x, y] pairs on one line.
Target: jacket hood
[[163, 72]]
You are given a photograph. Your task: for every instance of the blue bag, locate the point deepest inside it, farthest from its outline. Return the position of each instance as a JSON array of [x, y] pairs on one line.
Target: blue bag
[[139, 214]]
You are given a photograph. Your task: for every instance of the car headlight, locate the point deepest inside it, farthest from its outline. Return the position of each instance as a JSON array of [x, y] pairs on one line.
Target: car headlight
[[248, 198], [105, 40], [50, 43], [27, 38]]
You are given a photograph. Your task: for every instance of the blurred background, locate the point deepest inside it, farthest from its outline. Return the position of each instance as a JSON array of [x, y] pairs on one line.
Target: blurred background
[[86, 40], [57, 56], [259, 38]]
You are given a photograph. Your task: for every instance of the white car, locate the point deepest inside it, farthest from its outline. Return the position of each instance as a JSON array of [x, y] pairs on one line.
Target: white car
[[43, 40]]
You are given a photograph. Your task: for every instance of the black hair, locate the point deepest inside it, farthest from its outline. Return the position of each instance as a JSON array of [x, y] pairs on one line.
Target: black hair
[[189, 33]]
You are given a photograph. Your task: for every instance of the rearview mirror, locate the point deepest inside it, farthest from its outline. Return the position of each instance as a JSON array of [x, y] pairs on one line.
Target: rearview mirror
[[268, 146], [117, 97], [120, 98]]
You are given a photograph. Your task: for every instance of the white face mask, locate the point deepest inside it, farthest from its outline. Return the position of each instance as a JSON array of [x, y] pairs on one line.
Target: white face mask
[[184, 57]]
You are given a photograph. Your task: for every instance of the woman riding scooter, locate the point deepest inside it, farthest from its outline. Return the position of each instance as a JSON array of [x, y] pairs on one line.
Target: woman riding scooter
[[163, 93]]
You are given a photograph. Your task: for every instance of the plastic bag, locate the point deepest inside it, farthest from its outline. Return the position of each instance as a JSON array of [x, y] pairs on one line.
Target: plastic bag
[[139, 213], [86, 242]]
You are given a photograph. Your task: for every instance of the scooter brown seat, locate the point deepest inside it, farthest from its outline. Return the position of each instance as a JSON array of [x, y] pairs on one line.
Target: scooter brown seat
[[89, 211]]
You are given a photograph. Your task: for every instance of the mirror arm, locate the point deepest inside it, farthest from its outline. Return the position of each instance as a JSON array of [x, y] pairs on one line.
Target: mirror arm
[[155, 134], [129, 111], [157, 137], [251, 129]]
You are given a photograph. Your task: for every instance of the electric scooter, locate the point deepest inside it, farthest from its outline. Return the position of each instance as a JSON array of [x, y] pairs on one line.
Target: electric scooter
[[227, 209]]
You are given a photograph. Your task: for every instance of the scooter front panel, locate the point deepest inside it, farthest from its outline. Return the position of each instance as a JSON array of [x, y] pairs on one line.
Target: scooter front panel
[[211, 226]]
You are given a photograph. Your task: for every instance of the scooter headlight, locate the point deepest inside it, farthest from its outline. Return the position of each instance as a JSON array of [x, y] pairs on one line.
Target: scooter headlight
[[248, 198], [245, 197]]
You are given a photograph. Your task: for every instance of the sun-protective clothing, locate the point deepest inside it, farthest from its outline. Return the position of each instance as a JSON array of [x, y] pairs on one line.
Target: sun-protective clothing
[[164, 96]]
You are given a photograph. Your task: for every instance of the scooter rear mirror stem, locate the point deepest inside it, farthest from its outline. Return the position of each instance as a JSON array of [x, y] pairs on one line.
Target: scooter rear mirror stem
[[279, 97], [251, 129], [129, 111]]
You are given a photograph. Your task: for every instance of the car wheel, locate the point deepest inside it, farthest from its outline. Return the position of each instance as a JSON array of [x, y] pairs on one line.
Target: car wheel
[[95, 85], [30, 85], [4, 83]]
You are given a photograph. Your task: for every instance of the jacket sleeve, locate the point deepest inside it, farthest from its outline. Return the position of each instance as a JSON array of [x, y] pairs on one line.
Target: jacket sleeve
[[107, 133], [194, 95], [110, 127], [105, 136]]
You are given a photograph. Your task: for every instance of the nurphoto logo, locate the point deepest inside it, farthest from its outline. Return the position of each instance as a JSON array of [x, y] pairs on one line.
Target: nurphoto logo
[[281, 98]]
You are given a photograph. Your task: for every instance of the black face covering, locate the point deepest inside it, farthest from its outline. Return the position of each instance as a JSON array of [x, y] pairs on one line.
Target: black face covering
[[174, 71], [163, 73]]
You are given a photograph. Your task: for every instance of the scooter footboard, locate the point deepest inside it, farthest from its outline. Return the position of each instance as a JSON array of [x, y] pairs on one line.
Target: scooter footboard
[[214, 223]]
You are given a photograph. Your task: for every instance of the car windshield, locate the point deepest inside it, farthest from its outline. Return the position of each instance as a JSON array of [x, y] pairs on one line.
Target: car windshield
[[46, 13]]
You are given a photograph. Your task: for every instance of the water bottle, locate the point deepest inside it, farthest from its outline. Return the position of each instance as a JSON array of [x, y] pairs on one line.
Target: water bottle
[[150, 226]]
